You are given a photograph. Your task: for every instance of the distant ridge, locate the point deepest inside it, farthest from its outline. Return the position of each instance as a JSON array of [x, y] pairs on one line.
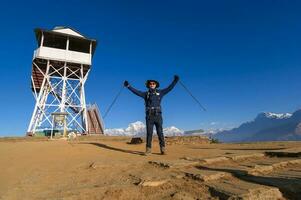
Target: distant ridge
[[267, 126], [194, 132]]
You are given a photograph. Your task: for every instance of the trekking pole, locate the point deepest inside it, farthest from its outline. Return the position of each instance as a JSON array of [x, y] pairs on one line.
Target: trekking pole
[[114, 101], [194, 98]]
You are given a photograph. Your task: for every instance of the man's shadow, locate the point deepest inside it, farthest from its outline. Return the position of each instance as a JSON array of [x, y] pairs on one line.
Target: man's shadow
[[115, 149]]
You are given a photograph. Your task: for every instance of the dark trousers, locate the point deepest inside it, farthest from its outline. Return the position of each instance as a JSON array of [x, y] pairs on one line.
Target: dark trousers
[[151, 121]]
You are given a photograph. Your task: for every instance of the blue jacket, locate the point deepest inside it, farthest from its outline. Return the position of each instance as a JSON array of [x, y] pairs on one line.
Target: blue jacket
[[153, 97]]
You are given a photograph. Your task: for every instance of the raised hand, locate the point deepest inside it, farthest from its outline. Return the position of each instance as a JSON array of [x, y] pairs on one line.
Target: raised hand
[[126, 84]]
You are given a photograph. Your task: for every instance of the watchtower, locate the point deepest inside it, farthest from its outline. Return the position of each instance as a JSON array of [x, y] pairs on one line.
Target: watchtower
[[60, 67]]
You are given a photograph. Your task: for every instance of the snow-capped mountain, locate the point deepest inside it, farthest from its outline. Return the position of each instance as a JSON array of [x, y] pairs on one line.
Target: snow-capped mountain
[[138, 129], [133, 129], [276, 115], [173, 131], [265, 127]]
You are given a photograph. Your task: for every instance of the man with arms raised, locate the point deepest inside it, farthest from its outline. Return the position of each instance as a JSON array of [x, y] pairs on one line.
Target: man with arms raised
[[153, 110]]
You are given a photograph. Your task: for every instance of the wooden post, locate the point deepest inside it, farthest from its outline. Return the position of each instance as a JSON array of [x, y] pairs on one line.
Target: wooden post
[[42, 39], [52, 127], [90, 48], [65, 127], [67, 45]]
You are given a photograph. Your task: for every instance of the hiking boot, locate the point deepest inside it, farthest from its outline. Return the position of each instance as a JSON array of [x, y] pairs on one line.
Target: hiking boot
[[148, 151], [163, 151]]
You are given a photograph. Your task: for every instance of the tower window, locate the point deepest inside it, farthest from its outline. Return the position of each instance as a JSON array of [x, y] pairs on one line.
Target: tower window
[[79, 45], [55, 41]]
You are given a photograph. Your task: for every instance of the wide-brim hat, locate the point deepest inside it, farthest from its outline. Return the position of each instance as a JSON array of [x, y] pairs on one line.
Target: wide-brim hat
[[148, 81]]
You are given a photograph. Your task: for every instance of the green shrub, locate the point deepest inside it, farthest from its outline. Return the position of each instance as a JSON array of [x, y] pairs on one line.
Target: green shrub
[[214, 141]]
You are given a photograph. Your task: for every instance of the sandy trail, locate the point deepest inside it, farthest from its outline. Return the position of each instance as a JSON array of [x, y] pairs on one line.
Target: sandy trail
[[109, 168]]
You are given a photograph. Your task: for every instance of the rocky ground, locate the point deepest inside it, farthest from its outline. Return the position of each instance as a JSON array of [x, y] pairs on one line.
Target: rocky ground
[[111, 168]]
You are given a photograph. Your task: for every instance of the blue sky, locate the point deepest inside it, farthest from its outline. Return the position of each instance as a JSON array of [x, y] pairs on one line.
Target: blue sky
[[238, 57]]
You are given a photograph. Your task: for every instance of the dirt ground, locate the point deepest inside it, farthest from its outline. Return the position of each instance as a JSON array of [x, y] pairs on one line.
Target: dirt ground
[[110, 168]]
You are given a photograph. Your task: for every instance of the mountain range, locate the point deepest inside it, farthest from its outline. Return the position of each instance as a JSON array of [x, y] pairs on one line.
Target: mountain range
[[138, 129], [267, 126]]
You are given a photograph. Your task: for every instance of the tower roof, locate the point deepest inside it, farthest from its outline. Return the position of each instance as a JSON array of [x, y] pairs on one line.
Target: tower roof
[[68, 31], [65, 31]]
